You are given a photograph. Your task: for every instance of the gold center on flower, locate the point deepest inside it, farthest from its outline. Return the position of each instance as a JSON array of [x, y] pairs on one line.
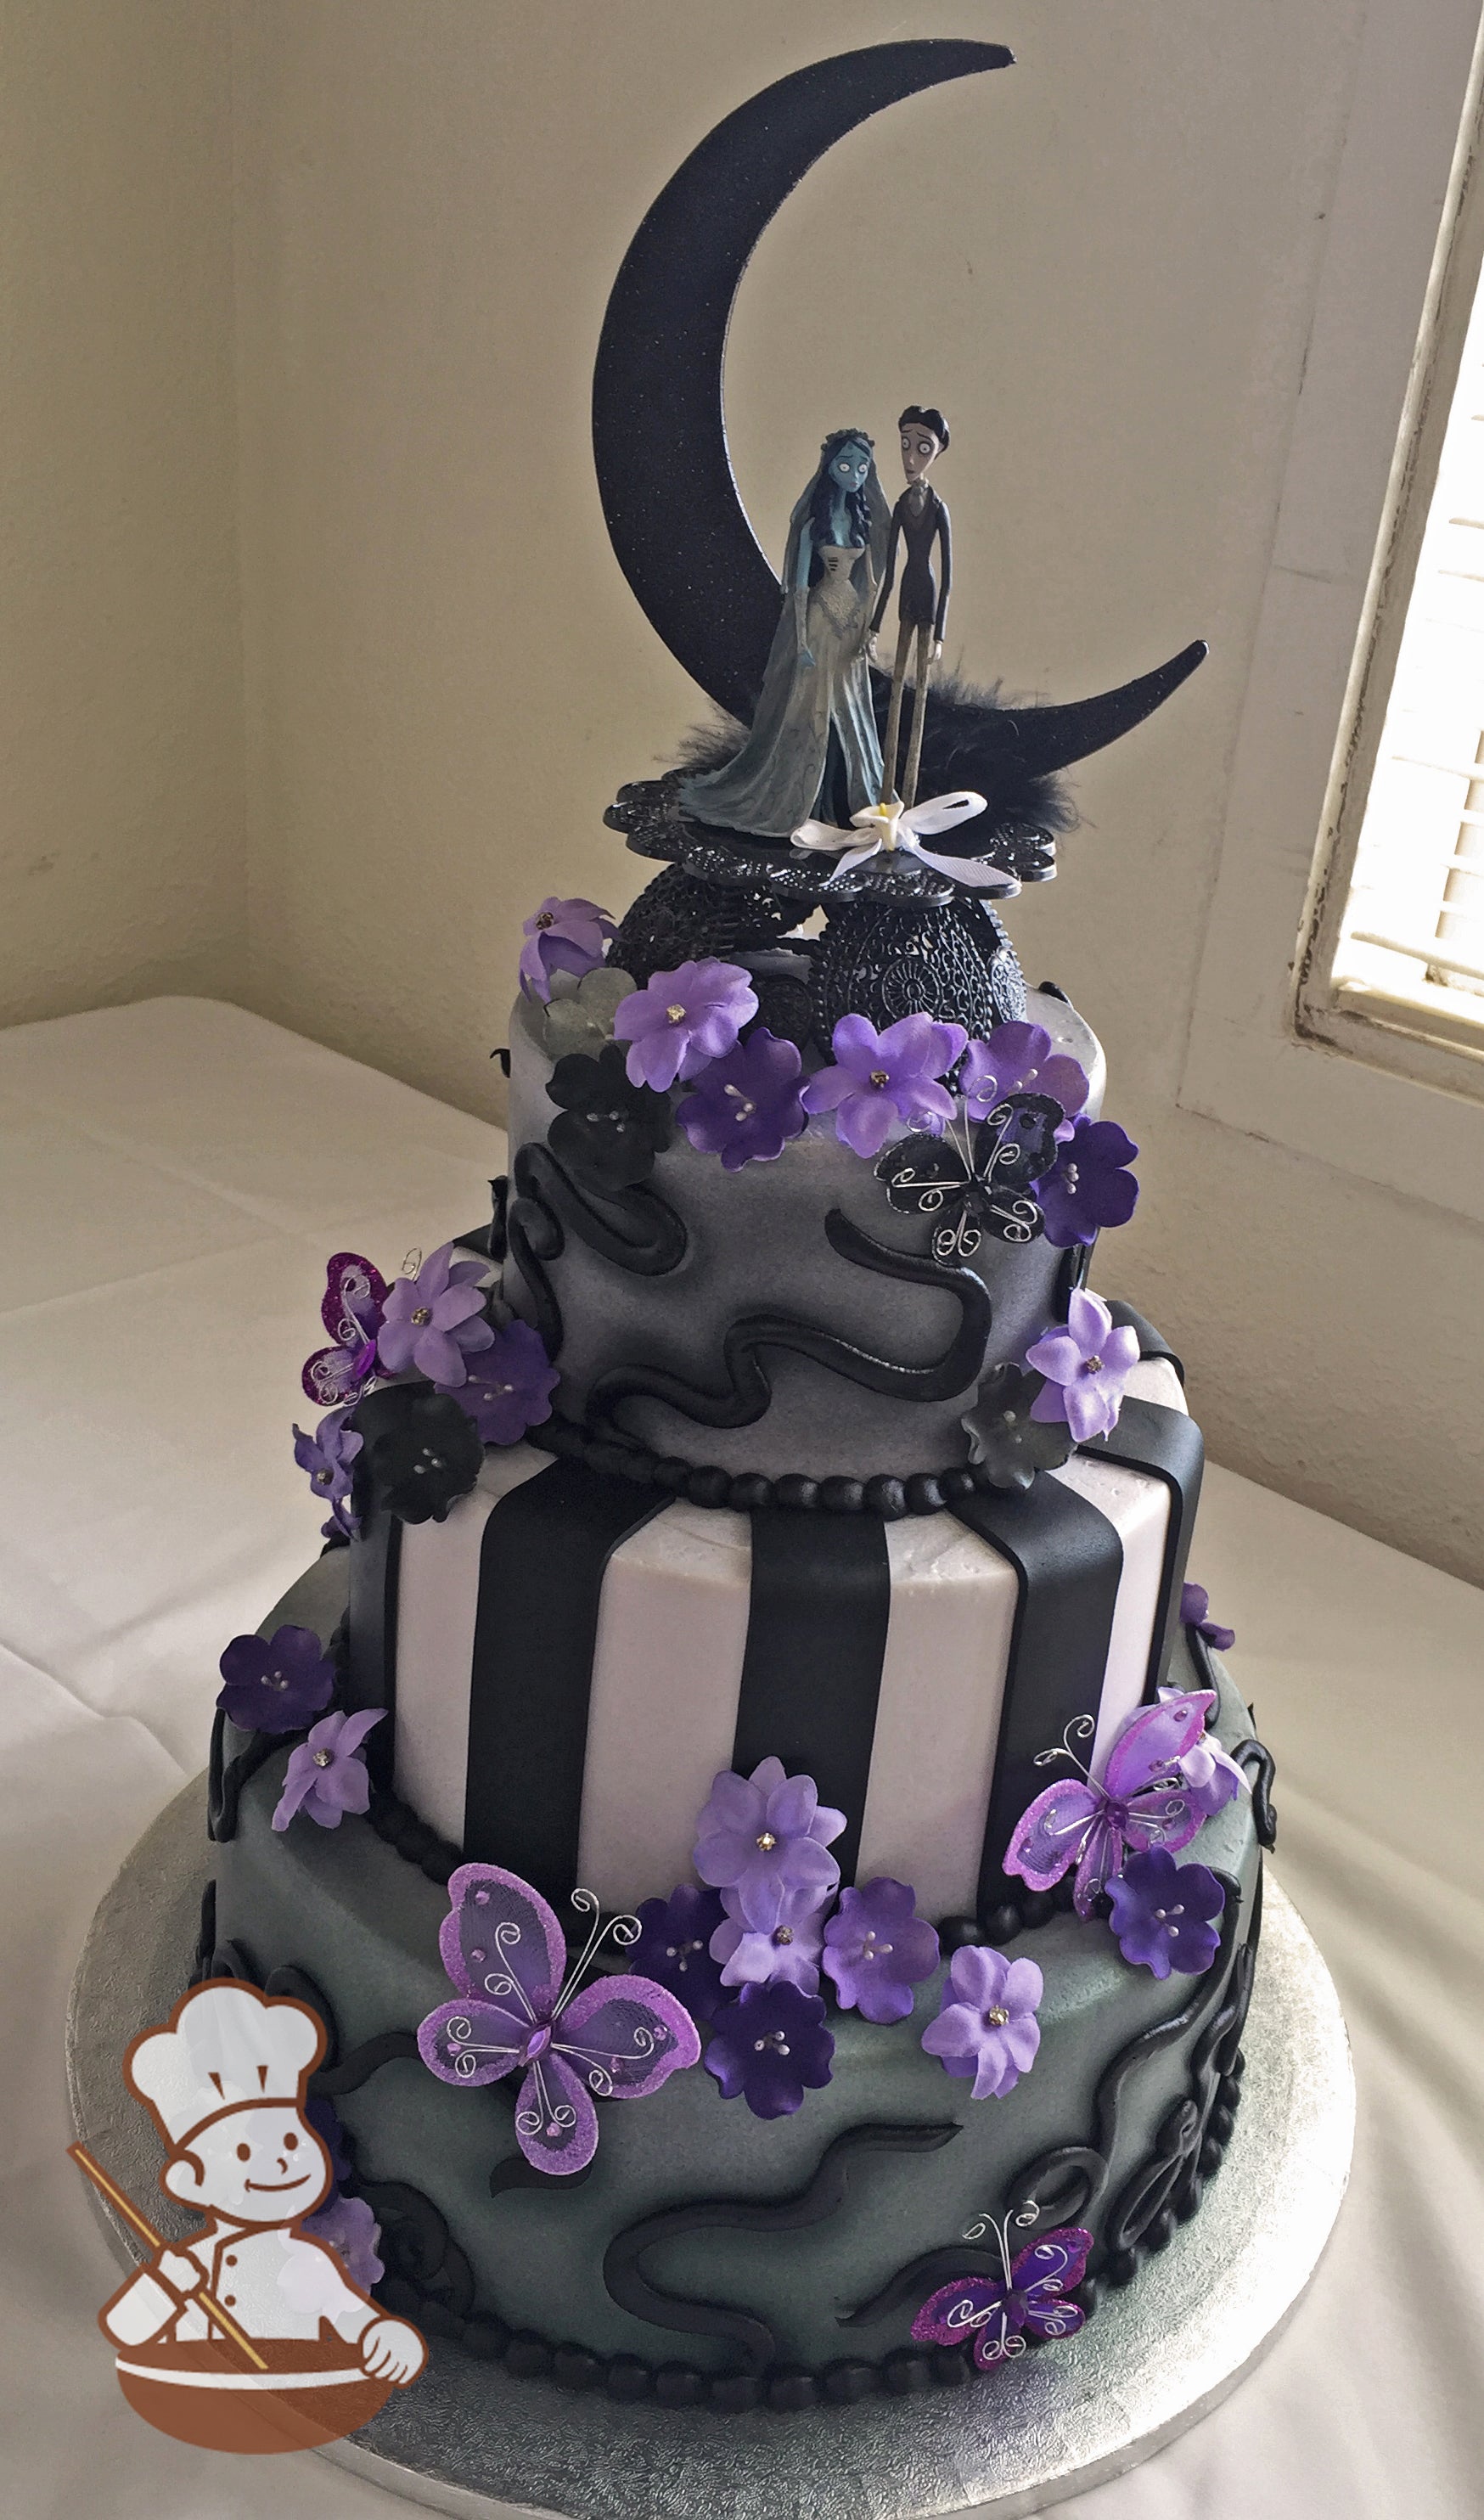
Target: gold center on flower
[[783, 1934], [880, 1076], [1092, 1365], [321, 1758], [767, 1843], [422, 1317], [676, 1015], [997, 2017], [546, 918]]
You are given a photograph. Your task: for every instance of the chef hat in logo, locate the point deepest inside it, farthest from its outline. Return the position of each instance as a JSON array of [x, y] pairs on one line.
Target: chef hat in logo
[[226, 2045]]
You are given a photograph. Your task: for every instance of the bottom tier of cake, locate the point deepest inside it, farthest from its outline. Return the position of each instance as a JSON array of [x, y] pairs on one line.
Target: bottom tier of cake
[[709, 2255]]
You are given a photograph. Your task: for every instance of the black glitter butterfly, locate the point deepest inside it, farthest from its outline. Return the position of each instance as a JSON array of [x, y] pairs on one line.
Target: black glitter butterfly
[[979, 1182]]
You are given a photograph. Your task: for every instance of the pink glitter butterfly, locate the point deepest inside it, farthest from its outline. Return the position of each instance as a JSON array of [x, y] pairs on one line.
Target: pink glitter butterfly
[[1031, 2297], [1143, 1800], [355, 1296]]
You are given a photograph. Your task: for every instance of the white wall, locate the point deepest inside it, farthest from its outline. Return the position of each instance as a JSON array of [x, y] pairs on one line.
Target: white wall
[[122, 798]]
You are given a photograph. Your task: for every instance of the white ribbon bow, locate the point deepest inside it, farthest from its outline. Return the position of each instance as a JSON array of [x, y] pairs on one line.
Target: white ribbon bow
[[882, 829]]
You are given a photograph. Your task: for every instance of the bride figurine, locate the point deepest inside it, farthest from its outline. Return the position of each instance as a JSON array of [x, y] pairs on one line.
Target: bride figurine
[[814, 750]]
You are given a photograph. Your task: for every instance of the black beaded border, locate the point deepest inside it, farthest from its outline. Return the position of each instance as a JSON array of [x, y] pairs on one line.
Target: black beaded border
[[746, 1491]]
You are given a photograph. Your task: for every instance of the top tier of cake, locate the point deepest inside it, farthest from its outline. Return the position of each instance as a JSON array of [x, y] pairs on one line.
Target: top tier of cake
[[782, 1319]]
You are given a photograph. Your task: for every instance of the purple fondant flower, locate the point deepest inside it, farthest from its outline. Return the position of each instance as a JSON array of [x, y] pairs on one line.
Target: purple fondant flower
[[348, 2225], [786, 1953], [275, 1684], [1019, 1058], [674, 1947], [881, 1078], [877, 1947], [327, 1455], [683, 1019], [987, 2026], [1195, 1612], [434, 1321], [1086, 1367], [1163, 1914], [764, 1836], [517, 2011], [747, 1106], [769, 2046], [1090, 1186], [561, 936], [326, 1776], [510, 1386]]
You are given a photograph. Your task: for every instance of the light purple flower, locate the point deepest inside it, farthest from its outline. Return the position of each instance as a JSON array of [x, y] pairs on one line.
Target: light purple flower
[[1195, 1612], [1085, 1367], [877, 1949], [747, 1106], [436, 1320], [1019, 1058], [348, 2226], [788, 1952], [882, 1078], [561, 936], [326, 1776], [1163, 1914], [769, 2046], [275, 1684], [683, 1019], [510, 1386], [1213, 1779], [1090, 1186], [327, 1455], [987, 2027], [765, 1836]]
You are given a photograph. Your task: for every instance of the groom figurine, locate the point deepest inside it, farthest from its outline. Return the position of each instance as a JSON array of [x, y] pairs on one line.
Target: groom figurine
[[917, 520]]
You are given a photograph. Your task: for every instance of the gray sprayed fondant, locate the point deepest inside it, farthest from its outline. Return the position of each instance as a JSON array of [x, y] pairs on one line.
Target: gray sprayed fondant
[[755, 1242], [364, 1923]]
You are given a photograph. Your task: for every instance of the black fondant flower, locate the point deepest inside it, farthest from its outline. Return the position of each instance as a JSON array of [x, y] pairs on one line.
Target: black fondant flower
[[422, 1452], [1005, 1442], [607, 1132]]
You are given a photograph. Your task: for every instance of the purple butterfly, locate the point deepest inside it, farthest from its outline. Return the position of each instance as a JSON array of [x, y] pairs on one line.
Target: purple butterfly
[[619, 2039], [1144, 1800], [996, 2314], [355, 1296]]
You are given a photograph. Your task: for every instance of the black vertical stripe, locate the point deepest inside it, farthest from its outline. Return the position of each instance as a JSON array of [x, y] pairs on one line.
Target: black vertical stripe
[[1068, 1561], [376, 1558], [1167, 1444], [821, 1596], [546, 1547]]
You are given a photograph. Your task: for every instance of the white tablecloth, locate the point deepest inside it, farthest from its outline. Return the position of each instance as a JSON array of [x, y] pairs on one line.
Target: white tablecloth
[[174, 1177]]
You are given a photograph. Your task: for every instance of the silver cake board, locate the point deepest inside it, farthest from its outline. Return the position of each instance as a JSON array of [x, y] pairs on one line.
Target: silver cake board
[[469, 2438]]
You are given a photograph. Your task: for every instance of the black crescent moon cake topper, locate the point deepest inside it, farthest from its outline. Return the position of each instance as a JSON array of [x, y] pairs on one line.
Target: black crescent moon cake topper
[[677, 524]]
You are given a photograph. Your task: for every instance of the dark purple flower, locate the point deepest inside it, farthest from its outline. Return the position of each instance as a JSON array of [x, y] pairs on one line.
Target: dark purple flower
[[327, 1455], [745, 1107], [1019, 1058], [787, 1953], [510, 1386], [883, 1077], [1005, 1441], [326, 1776], [423, 1449], [765, 1836], [987, 2026], [681, 1019], [1090, 1186], [1086, 1367], [1195, 1612], [769, 2046], [1163, 1914], [561, 936], [348, 2225], [436, 1320], [877, 1947], [324, 2117], [275, 1684], [607, 1132], [674, 1947]]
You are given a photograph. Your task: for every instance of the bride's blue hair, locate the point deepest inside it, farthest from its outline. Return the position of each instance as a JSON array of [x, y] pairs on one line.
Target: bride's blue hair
[[820, 506]]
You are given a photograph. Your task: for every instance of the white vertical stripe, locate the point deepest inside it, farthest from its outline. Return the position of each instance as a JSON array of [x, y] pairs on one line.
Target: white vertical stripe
[[438, 1604], [672, 1631], [1138, 1505], [953, 1613]]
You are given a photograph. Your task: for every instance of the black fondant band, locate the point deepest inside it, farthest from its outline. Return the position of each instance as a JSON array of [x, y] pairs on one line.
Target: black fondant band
[[1068, 1562], [1167, 1444], [541, 1568], [817, 1613], [371, 1671], [1151, 1342]]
